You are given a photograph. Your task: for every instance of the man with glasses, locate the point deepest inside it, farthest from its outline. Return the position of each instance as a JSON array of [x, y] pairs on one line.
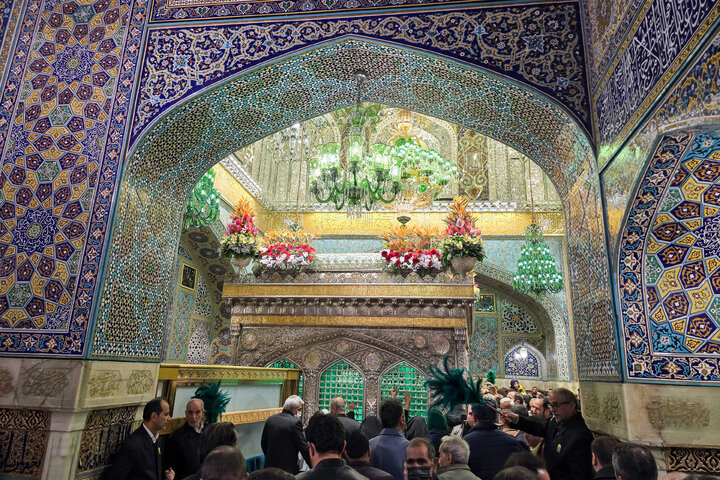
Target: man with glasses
[[567, 439]]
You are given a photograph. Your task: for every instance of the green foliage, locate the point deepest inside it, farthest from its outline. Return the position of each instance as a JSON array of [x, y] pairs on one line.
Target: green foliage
[[214, 400]]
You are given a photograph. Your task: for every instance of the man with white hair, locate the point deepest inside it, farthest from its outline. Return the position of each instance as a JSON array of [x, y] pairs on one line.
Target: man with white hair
[[283, 438], [183, 446], [453, 458]]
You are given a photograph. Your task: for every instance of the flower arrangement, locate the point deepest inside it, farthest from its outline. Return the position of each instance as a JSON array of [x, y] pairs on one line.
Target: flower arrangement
[[240, 237], [288, 250], [462, 238], [412, 250]]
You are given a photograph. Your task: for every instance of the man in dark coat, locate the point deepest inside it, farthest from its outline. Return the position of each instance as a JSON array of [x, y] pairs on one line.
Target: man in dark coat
[[183, 446], [490, 447], [326, 442], [140, 455], [337, 408], [567, 451], [282, 438], [387, 450], [602, 451], [357, 451]]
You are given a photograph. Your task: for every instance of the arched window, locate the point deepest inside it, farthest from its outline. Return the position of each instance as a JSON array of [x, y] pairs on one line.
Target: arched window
[[344, 380], [406, 378], [282, 363]]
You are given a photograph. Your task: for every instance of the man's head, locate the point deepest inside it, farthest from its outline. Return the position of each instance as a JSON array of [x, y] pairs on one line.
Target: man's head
[[271, 474], [357, 447], [633, 462], [437, 420], [506, 402], [392, 414], [217, 435], [224, 463], [503, 391], [419, 459], [540, 407], [563, 404], [337, 406], [516, 473], [534, 391], [325, 436], [195, 412], [453, 450], [156, 414], [602, 451], [481, 413], [530, 461], [293, 404]]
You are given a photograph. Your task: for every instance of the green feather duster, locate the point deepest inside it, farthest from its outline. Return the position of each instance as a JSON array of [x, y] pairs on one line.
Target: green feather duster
[[214, 400], [490, 376]]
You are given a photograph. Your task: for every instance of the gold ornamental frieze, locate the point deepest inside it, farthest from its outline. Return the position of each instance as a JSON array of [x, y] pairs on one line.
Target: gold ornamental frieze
[[234, 290], [354, 320], [217, 372]]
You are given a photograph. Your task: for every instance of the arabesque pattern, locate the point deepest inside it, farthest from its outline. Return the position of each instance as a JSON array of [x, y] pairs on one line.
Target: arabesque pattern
[[540, 46], [66, 124], [669, 265]]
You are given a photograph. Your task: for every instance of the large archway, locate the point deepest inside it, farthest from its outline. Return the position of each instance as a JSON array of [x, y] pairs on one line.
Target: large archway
[[186, 142]]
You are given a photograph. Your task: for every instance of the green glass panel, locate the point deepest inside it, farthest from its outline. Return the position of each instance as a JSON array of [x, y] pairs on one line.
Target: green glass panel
[[406, 378], [341, 379], [282, 363]]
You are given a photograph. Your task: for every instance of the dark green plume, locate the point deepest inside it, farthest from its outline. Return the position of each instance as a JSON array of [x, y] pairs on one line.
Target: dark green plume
[[490, 376], [451, 387], [213, 399]]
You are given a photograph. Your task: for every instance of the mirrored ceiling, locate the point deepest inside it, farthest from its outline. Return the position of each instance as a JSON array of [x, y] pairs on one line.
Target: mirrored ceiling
[[276, 169]]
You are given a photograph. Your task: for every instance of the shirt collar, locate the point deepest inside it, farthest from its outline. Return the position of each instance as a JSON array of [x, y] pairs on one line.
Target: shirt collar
[[152, 437]]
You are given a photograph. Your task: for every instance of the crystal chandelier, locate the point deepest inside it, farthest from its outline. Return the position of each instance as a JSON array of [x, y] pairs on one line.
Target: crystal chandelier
[[536, 272], [361, 176]]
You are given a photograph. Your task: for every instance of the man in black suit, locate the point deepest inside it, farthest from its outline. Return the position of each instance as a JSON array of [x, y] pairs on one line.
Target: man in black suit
[[567, 452], [140, 455], [326, 441], [602, 451], [337, 408], [183, 446], [283, 437]]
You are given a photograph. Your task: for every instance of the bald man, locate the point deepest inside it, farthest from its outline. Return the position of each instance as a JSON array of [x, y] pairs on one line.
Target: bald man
[[337, 408], [182, 452]]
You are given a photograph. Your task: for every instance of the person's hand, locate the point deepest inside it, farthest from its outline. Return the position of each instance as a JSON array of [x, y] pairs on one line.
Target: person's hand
[[509, 417], [393, 392], [408, 399], [169, 474]]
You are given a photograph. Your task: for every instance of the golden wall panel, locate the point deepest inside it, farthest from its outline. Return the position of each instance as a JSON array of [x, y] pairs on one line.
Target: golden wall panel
[[355, 321]]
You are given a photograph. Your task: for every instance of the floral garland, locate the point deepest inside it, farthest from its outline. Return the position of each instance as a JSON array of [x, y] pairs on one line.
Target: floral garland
[[287, 257], [240, 237], [412, 250], [462, 238], [287, 250]]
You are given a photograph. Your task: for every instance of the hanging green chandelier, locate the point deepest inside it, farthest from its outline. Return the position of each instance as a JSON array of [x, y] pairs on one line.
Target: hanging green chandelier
[[203, 206], [536, 272], [363, 175]]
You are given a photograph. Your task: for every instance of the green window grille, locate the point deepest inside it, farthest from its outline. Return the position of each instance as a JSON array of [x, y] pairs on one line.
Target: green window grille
[[341, 379], [406, 378], [282, 363]]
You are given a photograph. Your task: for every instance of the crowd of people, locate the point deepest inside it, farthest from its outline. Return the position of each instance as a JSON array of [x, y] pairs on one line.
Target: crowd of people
[[510, 435]]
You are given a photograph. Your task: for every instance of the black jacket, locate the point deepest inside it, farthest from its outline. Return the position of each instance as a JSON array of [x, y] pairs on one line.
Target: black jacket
[[490, 449], [331, 469], [182, 452], [605, 473], [350, 424], [567, 446], [364, 468], [138, 458], [282, 439]]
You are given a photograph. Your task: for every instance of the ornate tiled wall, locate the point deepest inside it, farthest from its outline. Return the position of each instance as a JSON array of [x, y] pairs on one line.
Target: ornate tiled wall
[[539, 45], [635, 53], [23, 440], [668, 277], [199, 326], [61, 127], [104, 432], [694, 100], [500, 325]]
